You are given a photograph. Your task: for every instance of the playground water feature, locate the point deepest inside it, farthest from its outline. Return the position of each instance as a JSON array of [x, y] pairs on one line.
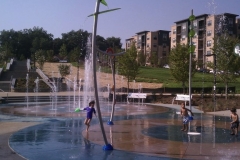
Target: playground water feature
[[139, 132], [152, 131]]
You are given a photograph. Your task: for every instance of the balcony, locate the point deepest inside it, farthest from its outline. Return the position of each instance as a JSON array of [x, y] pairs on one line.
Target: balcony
[[200, 38], [201, 27]]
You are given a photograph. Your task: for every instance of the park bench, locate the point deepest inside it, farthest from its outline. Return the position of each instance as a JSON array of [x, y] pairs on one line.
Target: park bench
[[181, 97], [2, 100], [136, 96], [11, 61], [8, 66]]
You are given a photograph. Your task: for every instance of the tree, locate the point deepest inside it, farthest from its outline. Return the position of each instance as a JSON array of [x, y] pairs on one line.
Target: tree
[[128, 65], [39, 39], [153, 59], [8, 41], [75, 54], [57, 43], [110, 42], [179, 64], [114, 43], [101, 43], [75, 39], [25, 42], [22, 44], [5, 53], [141, 58], [63, 52], [40, 58], [64, 70], [227, 62], [49, 55]]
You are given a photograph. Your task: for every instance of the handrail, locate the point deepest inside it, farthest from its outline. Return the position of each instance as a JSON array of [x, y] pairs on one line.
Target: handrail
[[46, 79]]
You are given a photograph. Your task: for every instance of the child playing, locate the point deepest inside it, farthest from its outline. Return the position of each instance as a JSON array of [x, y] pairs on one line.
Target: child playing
[[235, 122], [185, 116], [90, 110]]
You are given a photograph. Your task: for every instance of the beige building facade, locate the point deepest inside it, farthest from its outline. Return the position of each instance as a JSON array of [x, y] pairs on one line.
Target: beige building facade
[[151, 42], [206, 27]]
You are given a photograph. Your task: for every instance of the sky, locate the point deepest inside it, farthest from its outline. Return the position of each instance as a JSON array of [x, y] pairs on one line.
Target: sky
[[63, 16]]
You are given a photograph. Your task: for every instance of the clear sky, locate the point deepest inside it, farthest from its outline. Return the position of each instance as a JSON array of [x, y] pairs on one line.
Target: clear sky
[[62, 16]]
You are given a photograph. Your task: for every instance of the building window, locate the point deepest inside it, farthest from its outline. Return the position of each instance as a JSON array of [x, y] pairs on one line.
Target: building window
[[209, 43], [195, 24], [209, 22], [155, 37], [183, 37], [194, 43], [148, 45], [209, 33], [164, 37], [148, 38], [174, 31], [174, 40], [184, 27], [164, 45], [209, 52], [154, 45]]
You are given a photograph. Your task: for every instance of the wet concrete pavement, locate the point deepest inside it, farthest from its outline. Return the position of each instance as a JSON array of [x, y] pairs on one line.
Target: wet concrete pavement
[[139, 132]]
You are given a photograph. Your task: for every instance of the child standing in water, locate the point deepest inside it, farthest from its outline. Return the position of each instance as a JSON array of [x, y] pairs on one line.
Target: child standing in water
[[235, 122], [185, 116], [90, 110]]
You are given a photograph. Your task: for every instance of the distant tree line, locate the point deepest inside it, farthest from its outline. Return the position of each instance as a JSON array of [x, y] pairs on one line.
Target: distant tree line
[[28, 43]]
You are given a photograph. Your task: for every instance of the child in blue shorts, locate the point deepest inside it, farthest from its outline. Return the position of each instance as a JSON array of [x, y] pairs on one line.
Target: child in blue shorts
[[185, 117]]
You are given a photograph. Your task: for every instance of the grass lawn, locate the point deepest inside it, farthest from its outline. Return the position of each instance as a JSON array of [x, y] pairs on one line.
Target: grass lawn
[[163, 75]]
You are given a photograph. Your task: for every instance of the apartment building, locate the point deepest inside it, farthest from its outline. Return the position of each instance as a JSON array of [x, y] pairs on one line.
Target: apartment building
[[238, 27], [150, 42], [206, 27]]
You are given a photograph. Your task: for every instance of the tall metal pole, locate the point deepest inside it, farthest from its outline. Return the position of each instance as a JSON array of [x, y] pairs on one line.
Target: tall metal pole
[[191, 50], [94, 70], [114, 92], [190, 66], [34, 61], [214, 98], [110, 53], [78, 73], [214, 82]]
